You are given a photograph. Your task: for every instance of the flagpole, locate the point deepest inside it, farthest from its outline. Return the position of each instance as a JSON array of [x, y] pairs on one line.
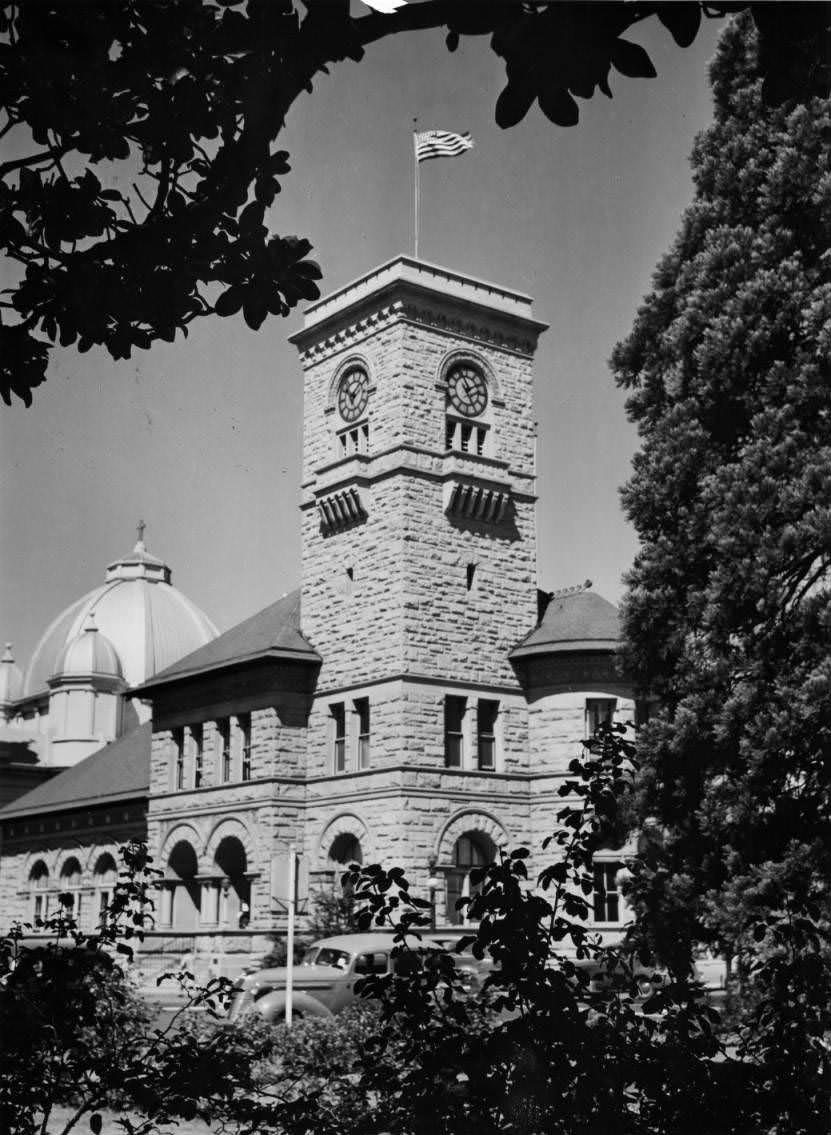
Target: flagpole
[[415, 194]]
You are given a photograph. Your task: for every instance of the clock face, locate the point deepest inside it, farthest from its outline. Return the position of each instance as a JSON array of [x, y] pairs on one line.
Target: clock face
[[467, 391], [353, 394]]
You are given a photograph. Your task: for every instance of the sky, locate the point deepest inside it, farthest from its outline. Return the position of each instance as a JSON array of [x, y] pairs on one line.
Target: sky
[[201, 438]]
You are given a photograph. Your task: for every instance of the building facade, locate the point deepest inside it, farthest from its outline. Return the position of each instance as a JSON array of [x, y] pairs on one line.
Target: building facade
[[418, 699]]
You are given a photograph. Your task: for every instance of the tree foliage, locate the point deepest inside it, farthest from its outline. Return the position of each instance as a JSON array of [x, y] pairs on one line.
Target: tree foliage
[[75, 1038], [142, 140], [560, 1039], [728, 613]]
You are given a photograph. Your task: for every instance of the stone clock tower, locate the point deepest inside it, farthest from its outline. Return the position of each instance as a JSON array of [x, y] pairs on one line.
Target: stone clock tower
[[418, 499]]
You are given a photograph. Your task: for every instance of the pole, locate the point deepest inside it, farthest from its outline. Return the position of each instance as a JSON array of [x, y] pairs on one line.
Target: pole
[[415, 195], [292, 902]]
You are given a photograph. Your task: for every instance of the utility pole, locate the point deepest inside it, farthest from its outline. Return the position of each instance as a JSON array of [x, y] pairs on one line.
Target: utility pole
[[292, 905]]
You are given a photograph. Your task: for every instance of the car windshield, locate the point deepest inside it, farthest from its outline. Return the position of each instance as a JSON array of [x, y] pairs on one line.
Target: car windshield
[[326, 956]]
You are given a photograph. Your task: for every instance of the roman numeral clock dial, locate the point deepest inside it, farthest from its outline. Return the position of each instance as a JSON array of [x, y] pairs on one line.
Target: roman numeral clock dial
[[353, 395], [467, 391]]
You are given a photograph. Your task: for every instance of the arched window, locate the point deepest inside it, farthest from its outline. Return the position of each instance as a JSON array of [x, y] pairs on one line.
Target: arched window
[[70, 884], [473, 849], [346, 849], [235, 887], [104, 877], [183, 911], [39, 885]]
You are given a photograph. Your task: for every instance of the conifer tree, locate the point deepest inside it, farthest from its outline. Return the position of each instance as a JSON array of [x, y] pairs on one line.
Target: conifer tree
[[728, 612]]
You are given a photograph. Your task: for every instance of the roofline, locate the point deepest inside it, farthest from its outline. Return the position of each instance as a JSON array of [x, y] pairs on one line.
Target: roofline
[[11, 813], [421, 276], [568, 646], [309, 656]]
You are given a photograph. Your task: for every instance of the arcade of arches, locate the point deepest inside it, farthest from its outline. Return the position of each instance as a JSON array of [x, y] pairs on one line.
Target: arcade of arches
[[219, 899]]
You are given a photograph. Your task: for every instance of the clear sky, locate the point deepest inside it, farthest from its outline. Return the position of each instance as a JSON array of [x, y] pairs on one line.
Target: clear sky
[[201, 438]]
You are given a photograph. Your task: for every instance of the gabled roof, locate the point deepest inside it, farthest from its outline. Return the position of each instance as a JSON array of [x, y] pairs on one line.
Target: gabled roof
[[573, 621], [119, 771], [273, 632]]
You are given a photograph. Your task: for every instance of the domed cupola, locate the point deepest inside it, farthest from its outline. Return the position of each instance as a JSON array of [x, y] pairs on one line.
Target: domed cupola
[[90, 655], [85, 695], [148, 622], [11, 682]]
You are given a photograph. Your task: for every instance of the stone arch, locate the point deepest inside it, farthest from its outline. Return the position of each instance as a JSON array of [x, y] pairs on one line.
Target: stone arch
[[181, 904], [188, 833], [467, 355], [102, 862], [71, 868], [470, 821], [353, 359], [344, 825], [50, 856], [38, 872], [222, 829]]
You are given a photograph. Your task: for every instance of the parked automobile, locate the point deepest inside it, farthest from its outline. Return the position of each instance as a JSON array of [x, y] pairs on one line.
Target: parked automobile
[[323, 984]]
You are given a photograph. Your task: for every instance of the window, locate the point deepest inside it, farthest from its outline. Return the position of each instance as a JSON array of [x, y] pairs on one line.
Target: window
[[39, 883], [70, 883], [338, 712], [196, 738], [223, 735], [375, 962], [606, 895], [599, 711], [454, 713], [488, 711], [354, 440], [362, 710], [471, 850], [104, 877], [346, 849], [179, 757], [467, 437], [244, 721]]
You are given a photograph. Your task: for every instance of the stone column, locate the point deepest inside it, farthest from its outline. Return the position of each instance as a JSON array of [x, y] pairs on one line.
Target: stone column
[[167, 888]]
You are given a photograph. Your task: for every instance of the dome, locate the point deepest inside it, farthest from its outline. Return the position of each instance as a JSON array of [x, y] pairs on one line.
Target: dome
[[149, 623], [89, 655], [11, 677], [575, 619]]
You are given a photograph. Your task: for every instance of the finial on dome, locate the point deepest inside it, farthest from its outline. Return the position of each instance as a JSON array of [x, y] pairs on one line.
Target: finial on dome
[[7, 654], [140, 527], [89, 622]]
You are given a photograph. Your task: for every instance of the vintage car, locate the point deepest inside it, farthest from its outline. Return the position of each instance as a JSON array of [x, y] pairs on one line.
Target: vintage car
[[323, 983]]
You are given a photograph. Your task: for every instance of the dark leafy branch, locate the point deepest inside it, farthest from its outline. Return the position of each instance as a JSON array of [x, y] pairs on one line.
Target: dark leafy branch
[[183, 102]]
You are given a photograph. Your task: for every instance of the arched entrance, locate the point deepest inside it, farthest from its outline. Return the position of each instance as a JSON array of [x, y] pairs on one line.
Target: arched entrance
[[183, 913], [235, 888], [473, 849]]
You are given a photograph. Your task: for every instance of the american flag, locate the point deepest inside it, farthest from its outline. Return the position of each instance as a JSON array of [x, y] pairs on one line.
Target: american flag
[[441, 144]]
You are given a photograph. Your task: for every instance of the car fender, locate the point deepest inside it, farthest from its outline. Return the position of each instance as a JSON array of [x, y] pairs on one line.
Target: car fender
[[272, 1007]]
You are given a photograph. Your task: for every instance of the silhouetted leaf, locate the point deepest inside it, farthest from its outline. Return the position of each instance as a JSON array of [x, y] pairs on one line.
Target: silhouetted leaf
[[631, 59]]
